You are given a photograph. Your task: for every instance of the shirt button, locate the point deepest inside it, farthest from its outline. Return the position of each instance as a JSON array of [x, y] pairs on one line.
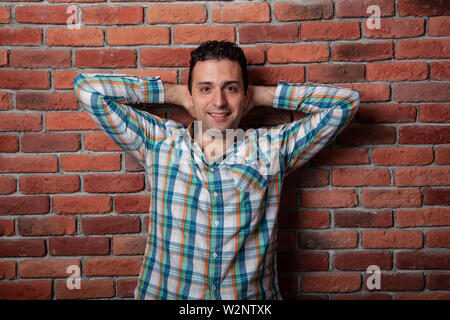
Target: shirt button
[[216, 222], [215, 194], [214, 255], [213, 288]]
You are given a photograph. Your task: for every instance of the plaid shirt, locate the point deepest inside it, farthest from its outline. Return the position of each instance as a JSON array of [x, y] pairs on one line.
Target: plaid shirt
[[212, 227]]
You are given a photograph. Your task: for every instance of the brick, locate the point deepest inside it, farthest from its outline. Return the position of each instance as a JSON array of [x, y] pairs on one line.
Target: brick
[[20, 122], [432, 196], [129, 245], [176, 13], [7, 270], [9, 143], [331, 282], [82, 204], [18, 205], [199, 34], [307, 10], [132, 165], [423, 217], [305, 219], [397, 28], [438, 281], [99, 141], [423, 49], [442, 155], [78, 246], [255, 54], [358, 8], [434, 113], [402, 156], [57, 121], [295, 261], [20, 36], [125, 287], [331, 73], [5, 101], [423, 7], [50, 142], [49, 184], [328, 239], [7, 185], [386, 113], [268, 33], [400, 281], [329, 198], [438, 239], [367, 134], [418, 92], [85, 162], [440, 70], [26, 290], [307, 178], [271, 75], [363, 51], [32, 100], [330, 30], [422, 296], [4, 61], [89, 289], [363, 219], [22, 248], [341, 156], [439, 26], [6, 229], [371, 92], [96, 183], [433, 260], [165, 57], [395, 71], [422, 177], [28, 164], [5, 15], [424, 134], [112, 266], [110, 225], [362, 296], [240, 12], [356, 177], [391, 198], [361, 260], [24, 79], [85, 36], [47, 226], [42, 14], [105, 58], [46, 268], [298, 53], [117, 15], [133, 36], [392, 239], [131, 204], [40, 58]]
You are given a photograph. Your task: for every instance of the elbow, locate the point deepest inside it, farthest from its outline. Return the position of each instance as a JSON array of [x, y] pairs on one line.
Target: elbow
[[354, 100]]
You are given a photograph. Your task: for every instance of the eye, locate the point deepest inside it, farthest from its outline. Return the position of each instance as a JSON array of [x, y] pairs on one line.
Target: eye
[[204, 89], [231, 89]]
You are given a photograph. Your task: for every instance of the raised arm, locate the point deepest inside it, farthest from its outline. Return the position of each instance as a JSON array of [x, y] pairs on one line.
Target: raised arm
[[105, 98], [329, 110]]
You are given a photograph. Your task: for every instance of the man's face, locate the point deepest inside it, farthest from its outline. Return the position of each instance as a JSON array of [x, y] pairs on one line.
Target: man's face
[[218, 94]]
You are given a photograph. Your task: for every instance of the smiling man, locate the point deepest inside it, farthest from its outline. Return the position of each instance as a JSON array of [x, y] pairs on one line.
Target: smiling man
[[212, 228]]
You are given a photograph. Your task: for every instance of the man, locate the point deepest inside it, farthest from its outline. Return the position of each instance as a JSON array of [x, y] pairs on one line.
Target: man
[[214, 201]]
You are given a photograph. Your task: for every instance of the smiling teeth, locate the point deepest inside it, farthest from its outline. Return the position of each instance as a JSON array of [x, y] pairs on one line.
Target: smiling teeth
[[218, 115]]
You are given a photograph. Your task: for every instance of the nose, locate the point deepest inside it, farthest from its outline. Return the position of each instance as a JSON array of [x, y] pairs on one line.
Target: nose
[[219, 99]]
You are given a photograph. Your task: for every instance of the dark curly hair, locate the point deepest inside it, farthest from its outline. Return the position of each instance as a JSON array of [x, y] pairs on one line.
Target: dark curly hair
[[218, 50]]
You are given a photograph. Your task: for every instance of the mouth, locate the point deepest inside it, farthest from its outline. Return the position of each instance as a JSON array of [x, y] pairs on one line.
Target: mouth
[[219, 116]]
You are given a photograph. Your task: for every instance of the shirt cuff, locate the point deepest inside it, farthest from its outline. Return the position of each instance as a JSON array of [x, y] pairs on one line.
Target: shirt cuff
[[152, 90], [282, 97]]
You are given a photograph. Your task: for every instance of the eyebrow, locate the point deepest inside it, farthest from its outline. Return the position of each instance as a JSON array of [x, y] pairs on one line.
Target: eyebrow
[[225, 83]]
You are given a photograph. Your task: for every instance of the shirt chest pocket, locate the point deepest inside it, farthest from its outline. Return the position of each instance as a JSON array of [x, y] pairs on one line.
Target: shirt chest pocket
[[250, 175]]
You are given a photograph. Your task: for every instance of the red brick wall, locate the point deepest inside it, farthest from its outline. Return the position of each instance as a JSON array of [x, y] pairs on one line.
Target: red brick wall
[[379, 195]]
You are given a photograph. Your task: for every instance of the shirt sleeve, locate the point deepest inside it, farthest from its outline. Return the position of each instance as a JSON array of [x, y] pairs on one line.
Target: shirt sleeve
[[105, 98], [329, 110]]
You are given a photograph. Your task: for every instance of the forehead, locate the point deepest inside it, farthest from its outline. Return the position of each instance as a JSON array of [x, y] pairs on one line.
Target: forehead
[[217, 71]]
